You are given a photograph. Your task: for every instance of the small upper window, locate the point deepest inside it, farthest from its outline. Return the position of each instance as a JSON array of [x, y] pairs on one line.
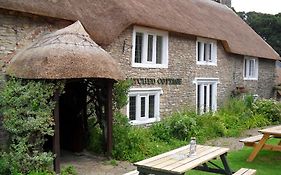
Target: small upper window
[[206, 51], [250, 68], [150, 48]]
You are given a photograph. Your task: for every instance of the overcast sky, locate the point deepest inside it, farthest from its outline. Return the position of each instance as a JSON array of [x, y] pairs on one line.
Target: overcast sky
[[263, 6]]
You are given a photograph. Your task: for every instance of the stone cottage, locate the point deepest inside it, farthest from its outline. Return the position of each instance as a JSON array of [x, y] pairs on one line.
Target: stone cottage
[[178, 53]]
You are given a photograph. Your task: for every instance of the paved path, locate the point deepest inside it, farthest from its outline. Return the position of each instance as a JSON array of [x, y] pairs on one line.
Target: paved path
[[87, 164]]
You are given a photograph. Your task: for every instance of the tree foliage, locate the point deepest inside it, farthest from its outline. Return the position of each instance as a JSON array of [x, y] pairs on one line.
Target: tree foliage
[[266, 25], [27, 108]]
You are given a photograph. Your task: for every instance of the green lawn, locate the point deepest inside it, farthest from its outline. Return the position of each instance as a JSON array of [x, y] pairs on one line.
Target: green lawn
[[266, 162]]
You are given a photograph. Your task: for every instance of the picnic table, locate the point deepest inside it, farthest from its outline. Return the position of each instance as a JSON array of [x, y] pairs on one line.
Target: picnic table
[[259, 141], [178, 162]]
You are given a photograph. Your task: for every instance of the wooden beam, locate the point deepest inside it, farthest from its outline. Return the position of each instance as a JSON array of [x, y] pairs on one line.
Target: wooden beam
[[109, 117], [258, 147], [56, 137]]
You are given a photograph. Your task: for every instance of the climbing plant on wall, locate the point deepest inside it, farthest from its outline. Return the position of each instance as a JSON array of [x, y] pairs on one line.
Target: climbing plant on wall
[[27, 108]]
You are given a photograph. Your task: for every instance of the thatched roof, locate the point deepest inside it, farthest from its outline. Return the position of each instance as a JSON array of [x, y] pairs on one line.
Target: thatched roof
[[106, 19], [64, 54]]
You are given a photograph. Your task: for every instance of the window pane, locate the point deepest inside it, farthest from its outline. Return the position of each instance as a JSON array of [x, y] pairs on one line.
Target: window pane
[[205, 98], [246, 68], [210, 52], [252, 68], [159, 49], [206, 48], [142, 106], [207, 52], [132, 108], [151, 106], [198, 51], [198, 99], [211, 98], [138, 47], [149, 47]]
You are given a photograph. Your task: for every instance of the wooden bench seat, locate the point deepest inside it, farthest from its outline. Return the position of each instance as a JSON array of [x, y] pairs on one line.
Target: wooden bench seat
[[245, 171], [252, 139], [135, 172]]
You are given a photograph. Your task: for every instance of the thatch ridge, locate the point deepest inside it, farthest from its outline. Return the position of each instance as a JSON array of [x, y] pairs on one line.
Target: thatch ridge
[[68, 53], [106, 19]]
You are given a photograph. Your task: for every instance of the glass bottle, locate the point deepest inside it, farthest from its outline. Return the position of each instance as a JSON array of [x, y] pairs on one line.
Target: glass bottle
[[192, 147]]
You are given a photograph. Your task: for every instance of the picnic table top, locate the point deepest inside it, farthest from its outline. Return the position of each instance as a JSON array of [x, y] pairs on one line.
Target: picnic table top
[[177, 161], [276, 130]]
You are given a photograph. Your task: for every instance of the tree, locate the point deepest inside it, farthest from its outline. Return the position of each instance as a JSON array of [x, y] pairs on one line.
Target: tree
[[267, 26]]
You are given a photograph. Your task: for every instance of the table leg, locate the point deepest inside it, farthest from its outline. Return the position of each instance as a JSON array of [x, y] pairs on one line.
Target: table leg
[[225, 164], [258, 147]]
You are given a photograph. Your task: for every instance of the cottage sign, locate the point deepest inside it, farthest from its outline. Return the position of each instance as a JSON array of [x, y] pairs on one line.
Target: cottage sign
[[159, 81]]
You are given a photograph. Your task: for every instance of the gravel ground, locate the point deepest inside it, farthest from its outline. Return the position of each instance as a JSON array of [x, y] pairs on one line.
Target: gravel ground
[[88, 164]]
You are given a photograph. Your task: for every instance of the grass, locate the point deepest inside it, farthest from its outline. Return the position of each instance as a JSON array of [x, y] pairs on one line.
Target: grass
[[266, 162]]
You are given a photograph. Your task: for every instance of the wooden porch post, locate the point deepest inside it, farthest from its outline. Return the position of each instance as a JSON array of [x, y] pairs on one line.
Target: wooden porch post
[[109, 118], [56, 137]]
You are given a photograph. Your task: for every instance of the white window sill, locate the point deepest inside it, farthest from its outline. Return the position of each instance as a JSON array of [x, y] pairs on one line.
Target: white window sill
[[255, 79], [139, 122], [206, 63], [141, 65]]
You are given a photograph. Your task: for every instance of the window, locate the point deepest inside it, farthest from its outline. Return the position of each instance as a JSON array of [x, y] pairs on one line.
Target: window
[[206, 51], [250, 68], [206, 95], [150, 48], [143, 106]]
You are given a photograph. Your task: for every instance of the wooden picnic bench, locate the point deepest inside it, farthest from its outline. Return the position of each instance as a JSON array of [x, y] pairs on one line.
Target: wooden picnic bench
[[242, 171], [258, 142], [177, 162], [245, 171]]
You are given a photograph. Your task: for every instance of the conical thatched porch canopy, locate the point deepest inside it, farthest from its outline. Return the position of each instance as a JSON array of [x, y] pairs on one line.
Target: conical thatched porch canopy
[[89, 72]]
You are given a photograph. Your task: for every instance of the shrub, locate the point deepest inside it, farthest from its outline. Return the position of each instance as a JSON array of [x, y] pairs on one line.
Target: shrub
[[269, 108], [120, 92], [121, 129], [257, 120], [209, 126], [183, 125], [95, 139], [69, 170], [27, 107]]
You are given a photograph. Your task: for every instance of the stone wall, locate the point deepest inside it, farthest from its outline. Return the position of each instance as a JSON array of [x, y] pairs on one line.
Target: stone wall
[[18, 30], [182, 64]]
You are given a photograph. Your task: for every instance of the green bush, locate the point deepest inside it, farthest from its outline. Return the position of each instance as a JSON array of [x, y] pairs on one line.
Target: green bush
[[209, 126], [121, 129], [269, 108], [137, 143], [183, 125], [95, 139], [27, 108], [69, 170]]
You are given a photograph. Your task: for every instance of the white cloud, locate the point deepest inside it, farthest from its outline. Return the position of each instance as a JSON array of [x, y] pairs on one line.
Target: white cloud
[[263, 6]]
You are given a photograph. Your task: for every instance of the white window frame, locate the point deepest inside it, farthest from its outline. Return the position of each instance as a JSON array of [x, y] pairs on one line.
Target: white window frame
[[150, 64], [145, 92], [246, 70], [207, 82], [202, 41]]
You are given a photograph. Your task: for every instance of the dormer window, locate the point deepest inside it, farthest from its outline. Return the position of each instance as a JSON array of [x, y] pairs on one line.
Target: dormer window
[[206, 51], [150, 48]]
